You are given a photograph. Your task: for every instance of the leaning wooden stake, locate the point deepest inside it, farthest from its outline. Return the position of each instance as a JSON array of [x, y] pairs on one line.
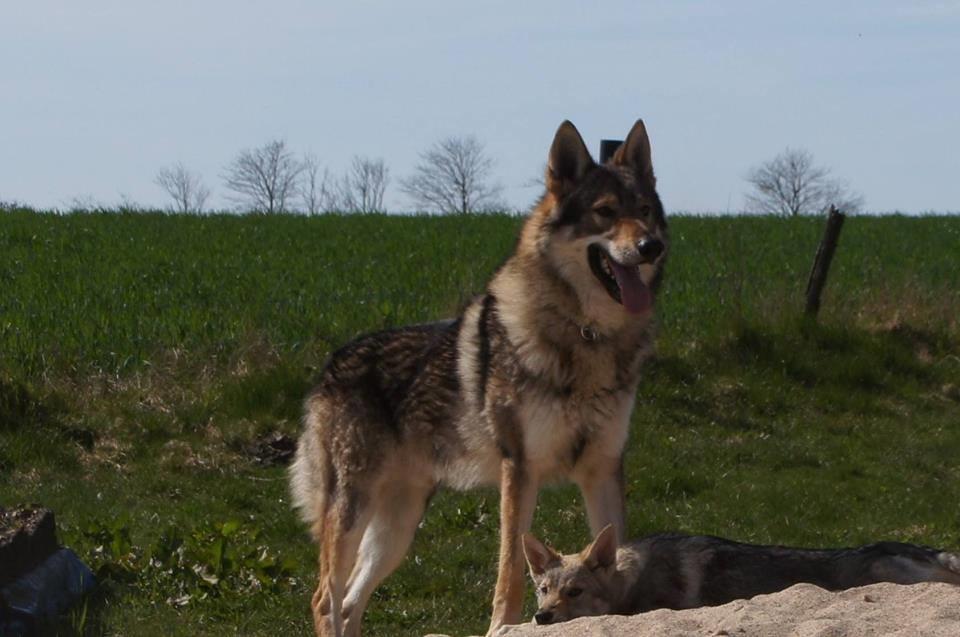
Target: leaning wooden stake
[[821, 263]]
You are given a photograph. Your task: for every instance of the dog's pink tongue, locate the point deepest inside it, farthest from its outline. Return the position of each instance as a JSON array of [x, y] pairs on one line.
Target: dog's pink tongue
[[634, 295]]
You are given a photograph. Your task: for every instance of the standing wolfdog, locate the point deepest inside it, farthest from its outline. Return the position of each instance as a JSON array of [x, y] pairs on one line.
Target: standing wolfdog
[[534, 382], [672, 570]]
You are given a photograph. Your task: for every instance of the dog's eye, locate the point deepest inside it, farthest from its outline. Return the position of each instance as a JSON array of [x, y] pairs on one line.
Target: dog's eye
[[574, 592], [605, 211], [543, 590]]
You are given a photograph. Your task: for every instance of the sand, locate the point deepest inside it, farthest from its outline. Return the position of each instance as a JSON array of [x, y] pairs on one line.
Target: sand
[[804, 610]]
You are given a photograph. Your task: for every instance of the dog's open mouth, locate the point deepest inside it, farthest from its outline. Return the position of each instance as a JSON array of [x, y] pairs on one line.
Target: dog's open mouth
[[622, 283]]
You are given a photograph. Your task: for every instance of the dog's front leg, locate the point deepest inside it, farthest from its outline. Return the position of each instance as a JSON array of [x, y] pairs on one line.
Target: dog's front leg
[[602, 489], [518, 498]]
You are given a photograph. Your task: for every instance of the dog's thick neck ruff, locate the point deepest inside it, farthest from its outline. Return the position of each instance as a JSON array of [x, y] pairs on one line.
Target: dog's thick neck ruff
[[560, 333]]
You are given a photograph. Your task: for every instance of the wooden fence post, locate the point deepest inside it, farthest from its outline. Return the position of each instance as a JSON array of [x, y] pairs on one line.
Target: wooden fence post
[[821, 263], [607, 148]]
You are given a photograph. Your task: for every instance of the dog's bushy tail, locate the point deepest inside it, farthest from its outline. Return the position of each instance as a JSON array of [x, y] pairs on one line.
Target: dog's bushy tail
[[309, 472]]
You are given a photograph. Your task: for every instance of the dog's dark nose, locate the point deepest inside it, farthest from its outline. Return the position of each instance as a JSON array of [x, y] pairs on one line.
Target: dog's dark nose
[[650, 248], [543, 617]]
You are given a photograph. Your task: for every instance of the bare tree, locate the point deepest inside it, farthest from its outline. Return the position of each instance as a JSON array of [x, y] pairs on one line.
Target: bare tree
[[837, 193], [264, 179], [317, 190], [360, 189], [453, 177], [184, 186], [790, 184], [364, 185]]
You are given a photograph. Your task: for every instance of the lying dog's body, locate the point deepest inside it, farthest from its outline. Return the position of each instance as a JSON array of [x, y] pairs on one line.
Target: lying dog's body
[[534, 382], [688, 571]]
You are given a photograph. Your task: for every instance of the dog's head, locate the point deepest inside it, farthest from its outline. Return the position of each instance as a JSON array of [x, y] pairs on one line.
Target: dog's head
[[604, 229], [570, 586]]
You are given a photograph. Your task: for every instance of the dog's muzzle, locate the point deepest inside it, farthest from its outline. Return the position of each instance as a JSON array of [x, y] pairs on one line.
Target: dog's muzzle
[[543, 617]]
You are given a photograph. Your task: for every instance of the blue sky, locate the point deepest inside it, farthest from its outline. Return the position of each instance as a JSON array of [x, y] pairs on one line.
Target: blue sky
[[97, 95]]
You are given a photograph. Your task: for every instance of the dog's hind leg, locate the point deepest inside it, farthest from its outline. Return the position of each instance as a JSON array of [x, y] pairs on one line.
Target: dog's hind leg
[[399, 508], [933, 567], [320, 602], [342, 528], [950, 563], [907, 564]]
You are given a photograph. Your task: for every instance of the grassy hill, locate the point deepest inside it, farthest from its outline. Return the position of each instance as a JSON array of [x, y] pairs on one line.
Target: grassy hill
[[144, 357]]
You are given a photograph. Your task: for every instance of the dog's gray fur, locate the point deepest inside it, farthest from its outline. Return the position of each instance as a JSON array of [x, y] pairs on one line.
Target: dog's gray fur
[[687, 571]]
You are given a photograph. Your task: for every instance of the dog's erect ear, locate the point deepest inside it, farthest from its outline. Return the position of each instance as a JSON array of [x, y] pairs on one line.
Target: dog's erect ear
[[602, 552], [634, 153], [569, 160], [539, 556]]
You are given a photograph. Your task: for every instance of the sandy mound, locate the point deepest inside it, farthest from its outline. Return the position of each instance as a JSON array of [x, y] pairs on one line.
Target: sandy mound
[[880, 610]]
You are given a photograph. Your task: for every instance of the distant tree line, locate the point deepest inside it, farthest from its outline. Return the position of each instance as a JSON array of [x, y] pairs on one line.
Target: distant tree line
[[453, 176]]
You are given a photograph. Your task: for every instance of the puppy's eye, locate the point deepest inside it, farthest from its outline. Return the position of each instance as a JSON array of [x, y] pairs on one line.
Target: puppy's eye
[[543, 590], [574, 592], [605, 211]]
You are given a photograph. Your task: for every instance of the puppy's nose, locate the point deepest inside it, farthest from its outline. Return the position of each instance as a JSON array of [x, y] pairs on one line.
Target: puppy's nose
[[650, 248], [543, 617]]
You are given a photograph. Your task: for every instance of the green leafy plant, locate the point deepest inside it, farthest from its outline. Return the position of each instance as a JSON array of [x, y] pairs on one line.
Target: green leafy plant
[[219, 559]]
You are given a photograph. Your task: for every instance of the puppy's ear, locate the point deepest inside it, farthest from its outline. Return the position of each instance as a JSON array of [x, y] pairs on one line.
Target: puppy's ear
[[539, 556], [602, 552], [568, 162], [634, 153]]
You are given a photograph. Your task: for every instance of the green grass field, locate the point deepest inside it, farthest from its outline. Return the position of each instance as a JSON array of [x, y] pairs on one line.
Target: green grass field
[[142, 354]]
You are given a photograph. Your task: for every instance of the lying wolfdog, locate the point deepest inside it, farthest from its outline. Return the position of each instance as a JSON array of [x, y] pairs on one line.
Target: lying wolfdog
[[534, 382], [686, 571]]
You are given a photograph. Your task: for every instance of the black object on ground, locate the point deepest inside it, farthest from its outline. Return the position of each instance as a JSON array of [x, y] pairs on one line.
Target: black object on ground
[[27, 537], [38, 580]]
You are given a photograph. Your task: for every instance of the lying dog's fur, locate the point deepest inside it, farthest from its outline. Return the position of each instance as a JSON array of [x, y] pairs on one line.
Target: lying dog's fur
[[687, 571]]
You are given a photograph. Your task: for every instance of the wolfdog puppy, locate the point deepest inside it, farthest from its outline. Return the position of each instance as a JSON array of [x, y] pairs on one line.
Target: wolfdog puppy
[[687, 571], [534, 382]]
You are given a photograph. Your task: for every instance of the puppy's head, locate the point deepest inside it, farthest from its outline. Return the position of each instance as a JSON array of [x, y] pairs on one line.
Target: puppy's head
[[605, 232], [570, 586]]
